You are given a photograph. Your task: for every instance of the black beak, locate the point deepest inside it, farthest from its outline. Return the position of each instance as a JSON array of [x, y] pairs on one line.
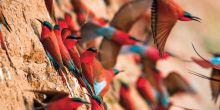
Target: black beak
[[40, 21], [135, 39], [92, 49], [6, 24], [196, 19], [73, 37]]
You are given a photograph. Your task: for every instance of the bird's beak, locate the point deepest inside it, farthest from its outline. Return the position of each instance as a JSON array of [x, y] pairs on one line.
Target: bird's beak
[[135, 39], [196, 19], [40, 21]]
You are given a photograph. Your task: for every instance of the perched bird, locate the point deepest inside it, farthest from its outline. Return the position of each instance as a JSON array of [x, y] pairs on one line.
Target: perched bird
[[72, 26], [82, 11], [70, 43], [164, 15], [146, 90], [65, 33], [86, 59], [64, 53], [126, 100], [62, 23], [97, 103], [4, 22], [50, 9], [50, 43], [103, 81], [56, 100]]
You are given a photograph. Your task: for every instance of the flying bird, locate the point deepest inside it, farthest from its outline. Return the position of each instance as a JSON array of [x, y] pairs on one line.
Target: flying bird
[[164, 15], [123, 21]]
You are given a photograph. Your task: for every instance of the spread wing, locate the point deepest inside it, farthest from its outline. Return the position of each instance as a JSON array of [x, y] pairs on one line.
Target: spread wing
[[163, 18], [123, 20], [175, 84], [88, 32]]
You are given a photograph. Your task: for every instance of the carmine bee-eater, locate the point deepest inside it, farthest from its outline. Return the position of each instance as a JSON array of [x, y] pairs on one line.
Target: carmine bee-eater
[[56, 100], [164, 15], [51, 46], [65, 33], [109, 49], [62, 23], [50, 9], [146, 90], [97, 103], [103, 81], [5, 23], [70, 43], [72, 26], [213, 63], [50, 43], [84, 14], [91, 31], [64, 53], [161, 91], [126, 100], [86, 59]]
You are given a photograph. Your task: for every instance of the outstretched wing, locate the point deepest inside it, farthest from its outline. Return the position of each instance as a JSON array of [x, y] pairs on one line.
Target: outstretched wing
[[123, 20], [163, 18], [175, 84]]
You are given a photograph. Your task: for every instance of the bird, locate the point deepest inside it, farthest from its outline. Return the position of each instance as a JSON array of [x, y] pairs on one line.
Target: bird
[[103, 81], [97, 103], [50, 9], [67, 60], [177, 84], [215, 77], [62, 23], [82, 11], [57, 100], [86, 59], [4, 22], [146, 90], [70, 43], [126, 100], [164, 15], [123, 21], [71, 25]]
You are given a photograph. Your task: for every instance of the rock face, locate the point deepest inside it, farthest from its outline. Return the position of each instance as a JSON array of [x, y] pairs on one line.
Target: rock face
[[24, 66]]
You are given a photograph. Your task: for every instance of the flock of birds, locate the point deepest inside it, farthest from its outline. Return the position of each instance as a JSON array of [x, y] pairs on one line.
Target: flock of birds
[[69, 46]]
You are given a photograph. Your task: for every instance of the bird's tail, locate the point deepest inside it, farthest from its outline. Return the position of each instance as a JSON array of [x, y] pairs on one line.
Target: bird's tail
[[64, 74]]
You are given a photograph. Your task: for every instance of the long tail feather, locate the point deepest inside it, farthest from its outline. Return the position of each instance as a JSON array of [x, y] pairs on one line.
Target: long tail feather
[[203, 76]]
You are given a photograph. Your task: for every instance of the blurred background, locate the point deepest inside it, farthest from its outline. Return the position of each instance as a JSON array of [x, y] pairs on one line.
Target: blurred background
[[205, 37]]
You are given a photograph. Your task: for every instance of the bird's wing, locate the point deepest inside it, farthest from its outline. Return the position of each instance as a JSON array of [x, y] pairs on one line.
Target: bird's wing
[[204, 62], [50, 9], [163, 18], [215, 86], [123, 20], [175, 84], [51, 95], [88, 32], [4, 22], [129, 13]]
